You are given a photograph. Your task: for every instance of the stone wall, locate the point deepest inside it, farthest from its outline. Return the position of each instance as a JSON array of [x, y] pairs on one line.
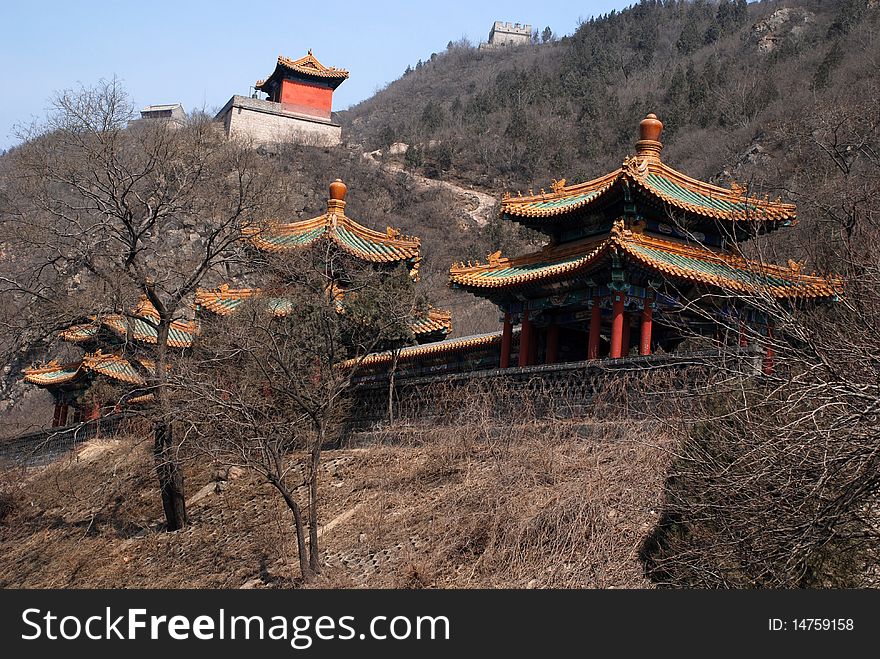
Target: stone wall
[[567, 391], [266, 123]]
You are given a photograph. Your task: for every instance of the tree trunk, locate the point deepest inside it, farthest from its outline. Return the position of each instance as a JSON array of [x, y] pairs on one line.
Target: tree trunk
[[314, 552], [298, 526], [170, 477], [167, 468], [394, 355]]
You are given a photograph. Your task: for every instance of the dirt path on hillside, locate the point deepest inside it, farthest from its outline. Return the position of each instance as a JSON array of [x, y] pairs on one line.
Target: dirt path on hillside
[[480, 204]]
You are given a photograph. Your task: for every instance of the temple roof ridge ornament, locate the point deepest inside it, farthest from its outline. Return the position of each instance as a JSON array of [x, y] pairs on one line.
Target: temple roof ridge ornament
[[495, 258], [618, 228]]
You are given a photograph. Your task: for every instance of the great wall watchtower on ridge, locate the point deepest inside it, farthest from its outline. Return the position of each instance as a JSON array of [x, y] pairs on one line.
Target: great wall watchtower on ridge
[[298, 107], [508, 34]]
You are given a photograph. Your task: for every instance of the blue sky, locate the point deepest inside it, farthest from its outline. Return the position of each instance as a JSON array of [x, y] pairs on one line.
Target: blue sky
[[201, 53]]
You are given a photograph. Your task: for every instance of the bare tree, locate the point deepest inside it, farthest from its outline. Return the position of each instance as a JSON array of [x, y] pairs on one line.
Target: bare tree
[[123, 209], [776, 483], [268, 391]]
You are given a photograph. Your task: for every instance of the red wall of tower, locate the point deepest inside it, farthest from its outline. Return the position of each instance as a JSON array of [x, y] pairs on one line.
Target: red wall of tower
[[306, 98]]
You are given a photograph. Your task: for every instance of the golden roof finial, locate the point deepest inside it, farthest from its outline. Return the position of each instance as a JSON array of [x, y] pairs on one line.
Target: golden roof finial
[[338, 189], [649, 143], [557, 185]]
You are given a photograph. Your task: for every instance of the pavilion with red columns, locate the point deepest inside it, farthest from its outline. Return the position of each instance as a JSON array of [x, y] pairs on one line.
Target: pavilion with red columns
[[635, 260]]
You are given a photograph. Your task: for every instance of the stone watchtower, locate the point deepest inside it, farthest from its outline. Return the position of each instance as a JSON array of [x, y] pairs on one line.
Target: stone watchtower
[[508, 34], [298, 108]]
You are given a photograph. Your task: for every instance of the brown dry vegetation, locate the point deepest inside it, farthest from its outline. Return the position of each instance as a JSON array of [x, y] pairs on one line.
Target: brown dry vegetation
[[541, 505]]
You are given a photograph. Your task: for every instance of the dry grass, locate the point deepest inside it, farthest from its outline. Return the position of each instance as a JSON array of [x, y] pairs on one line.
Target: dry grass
[[538, 504], [545, 505]]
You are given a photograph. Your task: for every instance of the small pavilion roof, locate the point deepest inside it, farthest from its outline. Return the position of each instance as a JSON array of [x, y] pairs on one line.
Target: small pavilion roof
[[307, 66], [53, 374], [113, 366], [142, 322], [435, 321], [646, 173], [353, 238], [116, 367], [679, 260], [225, 300]]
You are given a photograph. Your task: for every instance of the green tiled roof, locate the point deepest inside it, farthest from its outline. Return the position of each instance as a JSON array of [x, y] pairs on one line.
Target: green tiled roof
[[530, 268], [672, 189], [62, 373], [280, 306], [79, 333], [670, 258], [149, 331], [657, 180], [709, 268], [566, 201], [352, 240], [364, 243], [292, 239]]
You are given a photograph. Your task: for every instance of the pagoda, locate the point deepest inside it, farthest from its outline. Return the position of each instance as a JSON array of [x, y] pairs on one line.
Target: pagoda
[[380, 250], [117, 347], [635, 260]]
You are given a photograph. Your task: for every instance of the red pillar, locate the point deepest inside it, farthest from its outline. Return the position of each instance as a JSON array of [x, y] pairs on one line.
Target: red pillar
[[743, 339], [595, 329], [93, 412], [552, 343], [525, 339], [617, 326], [56, 418], [506, 334], [533, 346], [624, 340], [647, 322], [62, 419], [769, 354]]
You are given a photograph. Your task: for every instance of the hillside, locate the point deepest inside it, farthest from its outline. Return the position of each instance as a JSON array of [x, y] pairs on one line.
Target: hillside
[[769, 484], [734, 85], [448, 509]]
